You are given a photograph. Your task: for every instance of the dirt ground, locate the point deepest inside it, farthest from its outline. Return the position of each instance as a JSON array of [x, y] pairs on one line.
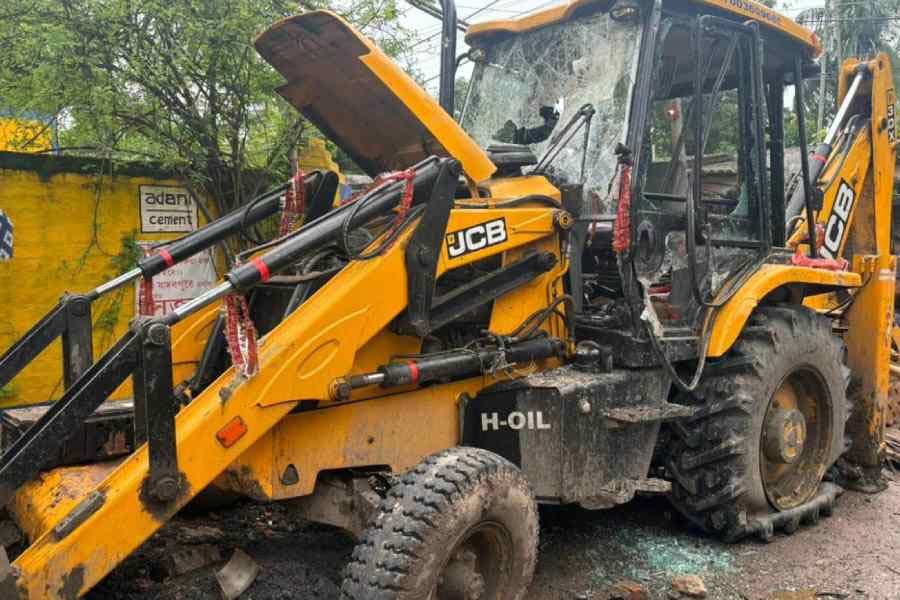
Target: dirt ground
[[852, 555]]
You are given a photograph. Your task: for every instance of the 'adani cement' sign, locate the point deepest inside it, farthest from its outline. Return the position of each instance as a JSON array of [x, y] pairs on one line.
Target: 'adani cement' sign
[[167, 209]]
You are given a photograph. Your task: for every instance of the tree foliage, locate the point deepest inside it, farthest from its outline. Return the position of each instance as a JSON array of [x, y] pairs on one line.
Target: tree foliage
[[175, 81], [847, 28]]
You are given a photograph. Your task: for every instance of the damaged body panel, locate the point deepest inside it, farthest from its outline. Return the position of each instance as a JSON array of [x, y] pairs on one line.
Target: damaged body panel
[[361, 99]]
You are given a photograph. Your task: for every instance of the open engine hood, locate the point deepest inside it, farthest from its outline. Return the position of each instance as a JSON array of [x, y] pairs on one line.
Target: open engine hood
[[361, 99]]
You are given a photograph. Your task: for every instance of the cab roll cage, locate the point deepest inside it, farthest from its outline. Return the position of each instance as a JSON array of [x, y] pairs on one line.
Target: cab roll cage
[[753, 86]]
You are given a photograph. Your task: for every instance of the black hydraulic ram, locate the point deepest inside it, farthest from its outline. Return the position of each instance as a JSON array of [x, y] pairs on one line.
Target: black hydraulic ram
[[455, 364], [315, 234], [803, 194], [207, 236], [185, 247]]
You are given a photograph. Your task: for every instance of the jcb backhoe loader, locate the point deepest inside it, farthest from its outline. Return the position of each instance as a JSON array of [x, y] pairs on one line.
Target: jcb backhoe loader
[[559, 299]]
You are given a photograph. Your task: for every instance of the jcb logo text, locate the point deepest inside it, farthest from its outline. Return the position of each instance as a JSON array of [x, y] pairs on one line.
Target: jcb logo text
[[477, 237], [836, 229]]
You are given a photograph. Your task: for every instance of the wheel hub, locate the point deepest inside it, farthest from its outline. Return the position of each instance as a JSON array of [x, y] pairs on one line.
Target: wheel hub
[[785, 435], [795, 439], [461, 579]]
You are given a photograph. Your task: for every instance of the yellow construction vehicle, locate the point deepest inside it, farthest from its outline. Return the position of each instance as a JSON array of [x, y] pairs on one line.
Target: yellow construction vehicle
[[557, 299]]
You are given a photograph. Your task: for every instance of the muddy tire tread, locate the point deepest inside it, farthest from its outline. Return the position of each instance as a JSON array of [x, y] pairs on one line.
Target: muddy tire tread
[[391, 549]]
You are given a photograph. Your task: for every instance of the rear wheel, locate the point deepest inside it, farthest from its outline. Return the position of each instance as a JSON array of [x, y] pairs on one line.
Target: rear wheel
[[771, 423], [892, 411], [462, 525]]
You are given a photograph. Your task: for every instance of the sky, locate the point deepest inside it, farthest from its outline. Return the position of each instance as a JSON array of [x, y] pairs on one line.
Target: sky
[[427, 53], [427, 57]]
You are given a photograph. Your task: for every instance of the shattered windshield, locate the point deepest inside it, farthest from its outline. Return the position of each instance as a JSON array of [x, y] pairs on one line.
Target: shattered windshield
[[529, 86]]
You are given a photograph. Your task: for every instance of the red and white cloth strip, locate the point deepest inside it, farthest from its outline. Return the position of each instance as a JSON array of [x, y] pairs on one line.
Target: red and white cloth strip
[[240, 333], [622, 232], [146, 303], [408, 177], [801, 259], [294, 204]]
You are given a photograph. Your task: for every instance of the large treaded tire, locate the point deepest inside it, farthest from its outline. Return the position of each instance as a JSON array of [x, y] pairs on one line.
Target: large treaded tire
[[403, 553], [715, 459]]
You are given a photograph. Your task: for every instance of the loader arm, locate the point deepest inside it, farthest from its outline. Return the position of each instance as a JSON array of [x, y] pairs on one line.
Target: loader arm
[[299, 361]]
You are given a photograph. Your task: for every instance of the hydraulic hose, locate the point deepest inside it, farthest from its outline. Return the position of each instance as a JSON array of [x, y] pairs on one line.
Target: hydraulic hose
[[315, 234]]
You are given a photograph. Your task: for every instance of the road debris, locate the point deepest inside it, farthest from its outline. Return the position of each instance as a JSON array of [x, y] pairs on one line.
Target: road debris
[[628, 590], [892, 437], [798, 595], [10, 534], [584, 554], [199, 534], [190, 558], [237, 575], [688, 586]]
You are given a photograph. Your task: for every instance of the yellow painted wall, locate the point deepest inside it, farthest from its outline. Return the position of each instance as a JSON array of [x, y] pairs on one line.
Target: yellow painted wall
[[27, 136], [66, 235]]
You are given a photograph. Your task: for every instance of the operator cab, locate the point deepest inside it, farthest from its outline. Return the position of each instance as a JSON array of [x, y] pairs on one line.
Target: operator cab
[[685, 99]]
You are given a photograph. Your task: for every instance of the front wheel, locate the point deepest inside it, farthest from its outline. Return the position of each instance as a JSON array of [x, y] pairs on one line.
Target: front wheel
[[462, 525]]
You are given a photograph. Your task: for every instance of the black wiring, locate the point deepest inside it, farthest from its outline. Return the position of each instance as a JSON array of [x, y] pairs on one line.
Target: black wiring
[[529, 325], [266, 245], [706, 331], [840, 308], [545, 200], [243, 230], [385, 244], [309, 262], [744, 272]]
